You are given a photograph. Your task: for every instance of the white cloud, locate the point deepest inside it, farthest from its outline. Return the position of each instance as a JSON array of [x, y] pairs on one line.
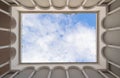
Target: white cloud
[[47, 39]]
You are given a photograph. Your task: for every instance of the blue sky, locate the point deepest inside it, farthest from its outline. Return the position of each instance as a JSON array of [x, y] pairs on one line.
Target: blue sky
[[57, 37]]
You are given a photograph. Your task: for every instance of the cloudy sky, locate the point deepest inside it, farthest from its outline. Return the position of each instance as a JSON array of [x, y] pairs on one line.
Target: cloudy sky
[[57, 37]]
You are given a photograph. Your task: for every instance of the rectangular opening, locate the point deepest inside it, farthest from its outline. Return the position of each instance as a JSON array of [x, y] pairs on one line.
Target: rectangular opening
[[58, 37]]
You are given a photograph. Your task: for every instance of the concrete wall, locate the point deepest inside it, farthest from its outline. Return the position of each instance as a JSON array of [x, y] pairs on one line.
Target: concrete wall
[[6, 37]]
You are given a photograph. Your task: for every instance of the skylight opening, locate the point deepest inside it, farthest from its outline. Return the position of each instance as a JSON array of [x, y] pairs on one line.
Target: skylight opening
[[58, 37]]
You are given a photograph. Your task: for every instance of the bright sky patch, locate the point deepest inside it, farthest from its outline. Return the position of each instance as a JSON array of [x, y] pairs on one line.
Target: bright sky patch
[[57, 37]]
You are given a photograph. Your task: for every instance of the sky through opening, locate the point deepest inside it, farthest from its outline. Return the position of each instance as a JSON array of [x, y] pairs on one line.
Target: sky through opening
[[58, 37]]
